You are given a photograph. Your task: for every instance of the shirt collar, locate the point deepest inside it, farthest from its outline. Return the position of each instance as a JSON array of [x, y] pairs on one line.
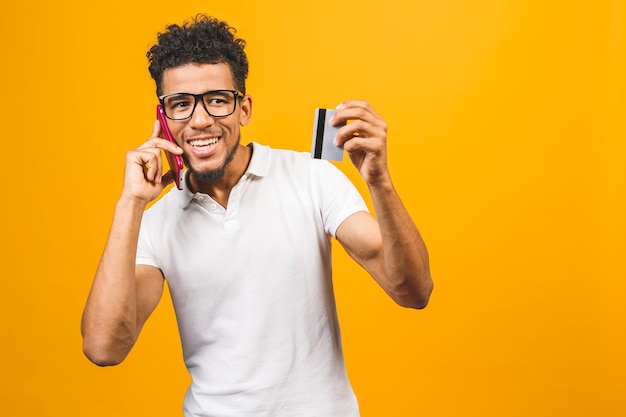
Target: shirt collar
[[258, 167]]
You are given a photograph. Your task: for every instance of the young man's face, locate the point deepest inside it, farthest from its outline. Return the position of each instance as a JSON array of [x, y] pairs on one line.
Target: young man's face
[[209, 143]]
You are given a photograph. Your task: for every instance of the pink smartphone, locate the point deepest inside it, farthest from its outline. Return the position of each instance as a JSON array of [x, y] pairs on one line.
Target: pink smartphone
[[175, 161]]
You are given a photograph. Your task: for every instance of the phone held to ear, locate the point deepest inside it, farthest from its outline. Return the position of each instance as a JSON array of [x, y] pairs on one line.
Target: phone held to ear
[[175, 161]]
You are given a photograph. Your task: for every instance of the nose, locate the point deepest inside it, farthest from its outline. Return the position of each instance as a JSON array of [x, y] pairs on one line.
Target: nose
[[200, 118]]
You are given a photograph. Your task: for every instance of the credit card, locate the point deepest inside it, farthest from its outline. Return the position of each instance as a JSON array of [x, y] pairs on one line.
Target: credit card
[[323, 137]]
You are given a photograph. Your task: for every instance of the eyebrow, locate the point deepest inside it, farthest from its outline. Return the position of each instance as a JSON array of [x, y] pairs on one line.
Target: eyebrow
[[175, 96]]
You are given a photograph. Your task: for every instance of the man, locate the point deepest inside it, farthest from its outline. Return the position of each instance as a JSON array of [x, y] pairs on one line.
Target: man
[[245, 246]]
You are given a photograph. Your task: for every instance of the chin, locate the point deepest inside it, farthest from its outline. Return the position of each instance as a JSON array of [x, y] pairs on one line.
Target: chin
[[207, 175]]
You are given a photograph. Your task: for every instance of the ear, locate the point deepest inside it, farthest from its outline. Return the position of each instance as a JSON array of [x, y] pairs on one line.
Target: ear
[[246, 110]]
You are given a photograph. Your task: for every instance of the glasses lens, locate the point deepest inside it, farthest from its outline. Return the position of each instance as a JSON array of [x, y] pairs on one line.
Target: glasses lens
[[219, 103], [178, 106]]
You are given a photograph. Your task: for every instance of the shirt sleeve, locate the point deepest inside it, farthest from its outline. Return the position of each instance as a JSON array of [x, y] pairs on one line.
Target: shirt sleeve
[[337, 197], [145, 251]]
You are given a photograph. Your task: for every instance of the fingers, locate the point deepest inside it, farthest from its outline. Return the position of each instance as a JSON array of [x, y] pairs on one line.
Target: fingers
[[148, 160], [361, 122], [153, 167], [355, 110], [148, 156], [156, 129], [143, 173], [157, 141]]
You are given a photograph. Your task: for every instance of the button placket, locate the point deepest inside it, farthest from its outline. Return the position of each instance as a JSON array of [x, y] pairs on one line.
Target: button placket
[[230, 220]]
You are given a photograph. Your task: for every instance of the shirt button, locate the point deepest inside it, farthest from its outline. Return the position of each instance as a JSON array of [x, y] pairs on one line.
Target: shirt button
[[213, 206]]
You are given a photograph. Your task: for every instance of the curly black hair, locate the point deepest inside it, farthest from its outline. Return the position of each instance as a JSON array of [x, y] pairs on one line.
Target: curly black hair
[[203, 40]]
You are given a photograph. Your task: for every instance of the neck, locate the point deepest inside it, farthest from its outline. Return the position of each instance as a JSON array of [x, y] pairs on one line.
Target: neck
[[219, 189]]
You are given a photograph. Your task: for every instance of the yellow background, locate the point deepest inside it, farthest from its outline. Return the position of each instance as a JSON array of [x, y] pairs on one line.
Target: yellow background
[[507, 141]]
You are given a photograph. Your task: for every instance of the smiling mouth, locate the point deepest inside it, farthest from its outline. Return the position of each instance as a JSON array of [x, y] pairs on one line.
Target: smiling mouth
[[201, 143]]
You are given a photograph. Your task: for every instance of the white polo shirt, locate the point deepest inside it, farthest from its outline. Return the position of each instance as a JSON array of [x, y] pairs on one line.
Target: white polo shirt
[[252, 288]]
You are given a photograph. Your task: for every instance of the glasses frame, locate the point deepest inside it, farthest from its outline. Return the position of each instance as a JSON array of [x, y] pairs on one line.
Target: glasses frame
[[200, 97]]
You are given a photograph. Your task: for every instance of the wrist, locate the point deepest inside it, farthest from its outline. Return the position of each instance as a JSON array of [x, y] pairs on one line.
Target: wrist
[[380, 181], [132, 202]]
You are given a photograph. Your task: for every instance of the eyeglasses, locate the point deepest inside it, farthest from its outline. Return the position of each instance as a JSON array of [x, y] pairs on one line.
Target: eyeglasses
[[217, 103]]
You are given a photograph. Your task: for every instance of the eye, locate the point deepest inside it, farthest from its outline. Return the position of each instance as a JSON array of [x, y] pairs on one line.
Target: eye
[[217, 99], [180, 103]]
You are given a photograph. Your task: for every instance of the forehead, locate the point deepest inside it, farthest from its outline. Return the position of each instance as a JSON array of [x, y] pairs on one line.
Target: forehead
[[197, 78]]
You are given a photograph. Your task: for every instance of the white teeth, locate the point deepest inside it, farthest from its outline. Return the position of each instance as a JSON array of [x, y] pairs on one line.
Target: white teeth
[[203, 142]]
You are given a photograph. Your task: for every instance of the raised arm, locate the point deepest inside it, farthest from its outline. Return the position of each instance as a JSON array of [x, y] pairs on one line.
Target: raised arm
[[123, 295], [389, 247]]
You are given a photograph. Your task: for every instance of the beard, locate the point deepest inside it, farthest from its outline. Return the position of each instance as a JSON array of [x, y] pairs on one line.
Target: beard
[[214, 174]]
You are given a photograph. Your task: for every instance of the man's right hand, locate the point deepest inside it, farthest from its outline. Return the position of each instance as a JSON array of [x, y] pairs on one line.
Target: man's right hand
[[143, 179]]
